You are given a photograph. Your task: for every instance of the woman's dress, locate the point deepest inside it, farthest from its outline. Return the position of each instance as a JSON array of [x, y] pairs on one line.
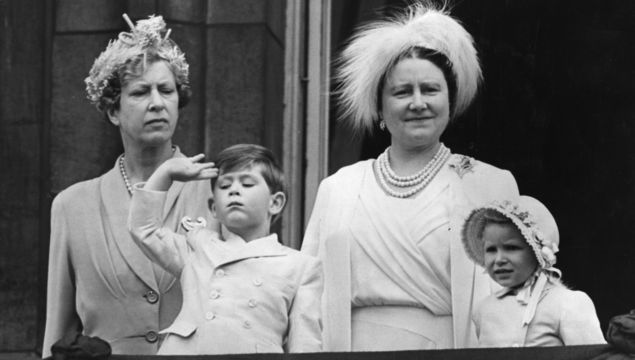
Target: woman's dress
[[99, 280], [396, 274]]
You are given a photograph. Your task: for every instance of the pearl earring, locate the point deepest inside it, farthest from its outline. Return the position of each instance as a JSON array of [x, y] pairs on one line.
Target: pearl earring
[[382, 125]]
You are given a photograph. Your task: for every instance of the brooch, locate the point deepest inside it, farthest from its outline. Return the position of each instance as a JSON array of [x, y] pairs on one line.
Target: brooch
[[188, 224], [464, 165]]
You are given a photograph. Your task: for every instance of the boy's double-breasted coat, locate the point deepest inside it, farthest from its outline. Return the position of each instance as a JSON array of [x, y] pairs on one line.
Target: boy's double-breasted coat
[[238, 297]]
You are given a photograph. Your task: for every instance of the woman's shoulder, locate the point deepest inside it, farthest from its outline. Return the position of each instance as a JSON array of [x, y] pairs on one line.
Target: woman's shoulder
[[465, 165], [349, 173], [79, 190], [481, 179], [354, 168]]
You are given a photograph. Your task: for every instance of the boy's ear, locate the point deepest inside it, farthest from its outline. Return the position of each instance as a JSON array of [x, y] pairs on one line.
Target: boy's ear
[[212, 206], [277, 202]]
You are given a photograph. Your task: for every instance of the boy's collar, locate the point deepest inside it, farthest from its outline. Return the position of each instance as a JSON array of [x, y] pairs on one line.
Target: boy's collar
[[267, 246]]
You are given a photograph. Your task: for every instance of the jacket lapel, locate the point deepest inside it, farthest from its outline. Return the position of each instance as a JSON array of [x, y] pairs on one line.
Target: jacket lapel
[[263, 247], [116, 201]]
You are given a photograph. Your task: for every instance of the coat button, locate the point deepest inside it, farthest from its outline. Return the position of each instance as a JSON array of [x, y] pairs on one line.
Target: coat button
[[152, 336], [220, 272], [214, 294], [247, 325], [257, 282], [210, 315], [252, 303], [151, 296]]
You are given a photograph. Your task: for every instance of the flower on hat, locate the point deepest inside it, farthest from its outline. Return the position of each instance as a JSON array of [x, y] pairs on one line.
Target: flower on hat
[[544, 248], [147, 35]]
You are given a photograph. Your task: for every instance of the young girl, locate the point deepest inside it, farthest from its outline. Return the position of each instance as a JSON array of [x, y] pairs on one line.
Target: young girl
[[516, 243]]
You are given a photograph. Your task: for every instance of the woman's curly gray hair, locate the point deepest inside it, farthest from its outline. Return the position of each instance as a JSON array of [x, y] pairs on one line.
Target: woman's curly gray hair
[[128, 56]]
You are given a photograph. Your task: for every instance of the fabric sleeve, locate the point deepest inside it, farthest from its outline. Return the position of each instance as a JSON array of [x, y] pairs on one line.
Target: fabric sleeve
[[311, 240], [305, 324], [579, 324], [162, 245], [476, 319], [510, 190], [61, 316]]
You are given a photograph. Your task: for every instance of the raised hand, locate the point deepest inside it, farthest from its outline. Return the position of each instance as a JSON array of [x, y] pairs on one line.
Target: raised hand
[[180, 169], [187, 169]]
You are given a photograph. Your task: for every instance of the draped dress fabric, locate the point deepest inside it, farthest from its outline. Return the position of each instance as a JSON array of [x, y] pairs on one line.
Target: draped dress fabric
[[396, 274], [400, 258], [99, 281]]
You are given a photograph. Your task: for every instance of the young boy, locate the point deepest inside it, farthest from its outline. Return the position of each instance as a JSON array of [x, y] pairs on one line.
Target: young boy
[[246, 293]]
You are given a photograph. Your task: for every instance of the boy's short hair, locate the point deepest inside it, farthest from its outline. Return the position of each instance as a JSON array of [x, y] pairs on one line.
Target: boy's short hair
[[242, 156]]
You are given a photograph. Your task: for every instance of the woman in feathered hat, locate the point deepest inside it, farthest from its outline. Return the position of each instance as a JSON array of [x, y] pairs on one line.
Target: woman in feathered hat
[[99, 281], [388, 229]]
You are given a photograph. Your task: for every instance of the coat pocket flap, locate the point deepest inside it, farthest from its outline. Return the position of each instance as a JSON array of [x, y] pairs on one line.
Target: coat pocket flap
[[180, 328]]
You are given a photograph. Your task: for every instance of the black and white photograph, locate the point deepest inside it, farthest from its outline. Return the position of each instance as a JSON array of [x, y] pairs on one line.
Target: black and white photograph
[[277, 179]]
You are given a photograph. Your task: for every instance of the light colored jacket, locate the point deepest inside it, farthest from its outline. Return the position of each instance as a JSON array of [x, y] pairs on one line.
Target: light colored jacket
[[473, 183], [238, 297], [99, 281], [563, 317]]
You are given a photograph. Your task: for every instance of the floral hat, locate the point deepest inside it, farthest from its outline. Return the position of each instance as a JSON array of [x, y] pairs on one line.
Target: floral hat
[[149, 35], [530, 216]]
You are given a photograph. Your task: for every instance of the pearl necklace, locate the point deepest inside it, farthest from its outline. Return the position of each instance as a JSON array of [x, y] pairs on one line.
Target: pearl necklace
[[122, 169], [124, 175], [416, 182]]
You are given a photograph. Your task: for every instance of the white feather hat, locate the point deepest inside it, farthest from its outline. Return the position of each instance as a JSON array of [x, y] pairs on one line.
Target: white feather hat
[[376, 46]]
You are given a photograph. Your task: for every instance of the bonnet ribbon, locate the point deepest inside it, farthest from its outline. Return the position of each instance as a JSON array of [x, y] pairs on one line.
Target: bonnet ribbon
[[531, 297]]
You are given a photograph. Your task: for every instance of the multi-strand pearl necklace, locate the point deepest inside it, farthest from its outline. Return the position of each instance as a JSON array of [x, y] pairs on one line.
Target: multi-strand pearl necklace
[[415, 182], [124, 175]]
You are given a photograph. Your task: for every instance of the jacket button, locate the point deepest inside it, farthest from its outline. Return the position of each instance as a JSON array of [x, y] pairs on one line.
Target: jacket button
[[220, 272], [257, 282], [252, 303], [151, 296], [152, 336], [210, 315]]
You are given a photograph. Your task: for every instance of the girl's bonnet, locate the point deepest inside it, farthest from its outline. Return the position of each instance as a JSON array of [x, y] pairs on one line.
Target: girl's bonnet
[[530, 216]]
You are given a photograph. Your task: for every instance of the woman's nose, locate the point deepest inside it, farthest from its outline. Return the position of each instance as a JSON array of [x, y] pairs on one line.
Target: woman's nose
[[156, 101], [418, 102]]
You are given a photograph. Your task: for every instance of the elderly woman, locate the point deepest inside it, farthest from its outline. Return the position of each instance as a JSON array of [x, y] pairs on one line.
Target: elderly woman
[[99, 282], [388, 229]]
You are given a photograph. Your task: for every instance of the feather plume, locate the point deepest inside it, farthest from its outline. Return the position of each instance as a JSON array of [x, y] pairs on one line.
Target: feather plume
[[376, 45]]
